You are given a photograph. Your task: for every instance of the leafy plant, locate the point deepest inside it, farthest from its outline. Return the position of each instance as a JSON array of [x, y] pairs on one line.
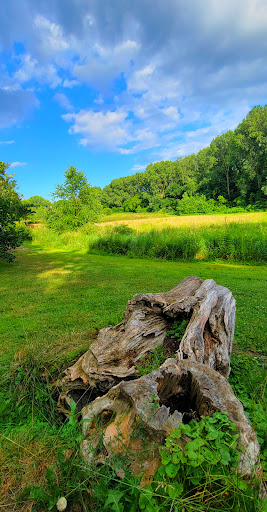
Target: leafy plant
[[177, 330], [248, 379], [198, 470], [151, 361]]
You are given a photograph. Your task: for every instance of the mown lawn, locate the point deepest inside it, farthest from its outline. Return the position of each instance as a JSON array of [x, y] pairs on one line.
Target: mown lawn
[[59, 297], [50, 293]]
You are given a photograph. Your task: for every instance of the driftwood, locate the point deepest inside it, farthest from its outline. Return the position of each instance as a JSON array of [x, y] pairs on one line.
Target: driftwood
[[114, 355], [137, 416]]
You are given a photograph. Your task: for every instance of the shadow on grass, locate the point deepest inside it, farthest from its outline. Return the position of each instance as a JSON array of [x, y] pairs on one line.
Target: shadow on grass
[[50, 293]]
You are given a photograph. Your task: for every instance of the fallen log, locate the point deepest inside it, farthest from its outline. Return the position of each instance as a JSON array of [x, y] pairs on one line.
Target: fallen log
[[210, 311]]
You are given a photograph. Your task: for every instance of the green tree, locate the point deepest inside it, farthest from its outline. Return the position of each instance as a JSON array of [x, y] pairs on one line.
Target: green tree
[[37, 201], [39, 207], [251, 156], [12, 210], [78, 203], [222, 174]]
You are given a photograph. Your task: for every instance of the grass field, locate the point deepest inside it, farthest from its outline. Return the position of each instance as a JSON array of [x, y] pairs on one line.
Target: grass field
[[50, 293], [55, 297], [146, 222]]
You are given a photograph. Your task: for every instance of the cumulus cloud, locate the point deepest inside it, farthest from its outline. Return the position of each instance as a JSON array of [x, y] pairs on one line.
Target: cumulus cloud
[[187, 70], [108, 130], [30, 69]]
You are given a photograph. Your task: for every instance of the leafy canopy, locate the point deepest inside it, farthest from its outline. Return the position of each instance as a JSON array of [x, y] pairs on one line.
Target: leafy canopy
[[75, 182], [78, 203], [12, 210]]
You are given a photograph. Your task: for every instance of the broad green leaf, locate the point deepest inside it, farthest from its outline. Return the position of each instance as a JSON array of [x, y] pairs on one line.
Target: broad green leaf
[[171, 470]]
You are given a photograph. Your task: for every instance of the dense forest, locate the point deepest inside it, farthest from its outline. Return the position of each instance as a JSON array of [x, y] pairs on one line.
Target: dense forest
[[232, 170], [229, 174]]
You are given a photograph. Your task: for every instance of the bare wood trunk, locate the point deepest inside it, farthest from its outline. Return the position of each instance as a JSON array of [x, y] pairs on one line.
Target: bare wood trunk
[[115, 353], [135, 417]]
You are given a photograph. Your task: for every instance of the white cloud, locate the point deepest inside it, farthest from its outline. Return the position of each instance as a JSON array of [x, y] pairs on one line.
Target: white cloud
[[7, 141], [139, 81], [182, 67], [171, 112], [70, 83], [63, 101], [17, 164], [51, 34], [30, 69], [108, 130], [137, 167], [103, 64]]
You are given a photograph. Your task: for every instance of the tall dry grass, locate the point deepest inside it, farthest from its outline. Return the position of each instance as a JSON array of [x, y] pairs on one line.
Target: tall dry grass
[[147, 222]]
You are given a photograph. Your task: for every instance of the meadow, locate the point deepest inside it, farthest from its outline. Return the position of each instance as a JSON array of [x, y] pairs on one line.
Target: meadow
[[54, 299], [148, 221], [240, 238]]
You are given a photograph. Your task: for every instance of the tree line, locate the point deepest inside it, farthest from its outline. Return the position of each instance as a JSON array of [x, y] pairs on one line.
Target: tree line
[[232, 171]]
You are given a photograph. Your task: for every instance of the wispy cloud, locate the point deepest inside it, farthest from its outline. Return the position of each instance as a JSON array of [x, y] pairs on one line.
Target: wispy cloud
[[180, 72], [7, 142], [63, 101], [137, 167], [17, 164]]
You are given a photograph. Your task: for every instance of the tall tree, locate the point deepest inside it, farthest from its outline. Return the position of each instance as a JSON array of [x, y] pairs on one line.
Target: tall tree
[[78, 203], [222, 175], [12, 210], [74, 182], [251, 155]]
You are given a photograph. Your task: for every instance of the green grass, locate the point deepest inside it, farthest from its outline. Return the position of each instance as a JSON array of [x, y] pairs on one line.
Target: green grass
[[231, 242], [54, 298], [50, 293]]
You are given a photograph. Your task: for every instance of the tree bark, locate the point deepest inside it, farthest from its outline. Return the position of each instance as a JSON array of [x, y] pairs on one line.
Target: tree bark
[[135, 417], [115, 354]]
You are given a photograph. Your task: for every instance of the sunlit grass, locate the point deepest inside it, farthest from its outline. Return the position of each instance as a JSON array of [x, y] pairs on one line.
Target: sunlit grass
[[54, 299], [49, 293], [151, 221]]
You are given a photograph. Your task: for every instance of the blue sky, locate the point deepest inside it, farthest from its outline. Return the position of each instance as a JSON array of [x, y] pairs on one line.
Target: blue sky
[[110, 86]]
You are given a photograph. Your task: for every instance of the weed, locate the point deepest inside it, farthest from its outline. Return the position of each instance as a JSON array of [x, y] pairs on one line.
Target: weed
[[177, 330], [151, 361], [198, 471]]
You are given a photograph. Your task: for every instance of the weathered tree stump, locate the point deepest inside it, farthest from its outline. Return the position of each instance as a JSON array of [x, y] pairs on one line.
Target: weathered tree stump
[[113, 356], [138, 415], [121, 412]]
